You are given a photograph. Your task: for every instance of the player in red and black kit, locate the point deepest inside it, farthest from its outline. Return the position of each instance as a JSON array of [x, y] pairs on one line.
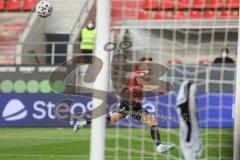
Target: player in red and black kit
[[132, 92]]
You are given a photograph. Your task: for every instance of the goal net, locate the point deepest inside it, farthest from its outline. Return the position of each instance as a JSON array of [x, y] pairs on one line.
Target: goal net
[[186, 36]]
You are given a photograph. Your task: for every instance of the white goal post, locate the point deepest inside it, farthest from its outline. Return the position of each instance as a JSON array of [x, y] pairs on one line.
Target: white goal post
[[236, 150], [97, 150]]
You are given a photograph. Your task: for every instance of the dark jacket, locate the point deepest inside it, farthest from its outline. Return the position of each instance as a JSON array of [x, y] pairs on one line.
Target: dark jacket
[[223, 60]]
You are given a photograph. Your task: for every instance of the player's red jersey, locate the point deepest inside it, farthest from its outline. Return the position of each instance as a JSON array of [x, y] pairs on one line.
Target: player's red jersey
[[132, 81], [135, 90]]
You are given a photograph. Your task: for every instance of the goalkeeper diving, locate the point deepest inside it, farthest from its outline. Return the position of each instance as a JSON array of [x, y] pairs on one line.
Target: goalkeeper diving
[[132, 93]]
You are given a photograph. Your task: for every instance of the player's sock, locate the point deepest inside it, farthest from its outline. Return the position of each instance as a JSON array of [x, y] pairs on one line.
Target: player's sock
[[108, 120], [83, 123], [88, 122], [155, 134]]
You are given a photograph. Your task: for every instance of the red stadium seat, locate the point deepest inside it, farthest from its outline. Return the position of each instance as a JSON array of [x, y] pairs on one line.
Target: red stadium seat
[[150, 4], [199, 4], [183, 4], [13, 5], [178, 15], [232, 3], [229, 14], [1, 5], [210, 14], [29, 5], [166, 4], [175, 61], [144, 15], [126, 4], [195, 14], [161, 15], [215, 4]]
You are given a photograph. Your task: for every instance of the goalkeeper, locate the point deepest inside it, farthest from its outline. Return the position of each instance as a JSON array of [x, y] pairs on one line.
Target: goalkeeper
[[132, 94]]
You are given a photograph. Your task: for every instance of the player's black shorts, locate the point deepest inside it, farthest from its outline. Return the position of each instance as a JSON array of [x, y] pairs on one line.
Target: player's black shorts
[[134, 109]]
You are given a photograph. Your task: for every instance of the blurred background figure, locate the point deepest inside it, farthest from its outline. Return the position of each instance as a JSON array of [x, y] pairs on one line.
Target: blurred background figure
[[87, 39], [224, 58]]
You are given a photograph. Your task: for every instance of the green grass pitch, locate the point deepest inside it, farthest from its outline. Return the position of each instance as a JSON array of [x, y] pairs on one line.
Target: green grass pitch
[[121, 144]]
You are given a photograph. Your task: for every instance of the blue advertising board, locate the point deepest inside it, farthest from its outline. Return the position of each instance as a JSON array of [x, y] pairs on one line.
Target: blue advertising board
[[37, 110]]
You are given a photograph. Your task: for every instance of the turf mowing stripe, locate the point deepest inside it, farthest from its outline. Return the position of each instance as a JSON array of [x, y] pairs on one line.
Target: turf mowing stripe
[[68, 156]]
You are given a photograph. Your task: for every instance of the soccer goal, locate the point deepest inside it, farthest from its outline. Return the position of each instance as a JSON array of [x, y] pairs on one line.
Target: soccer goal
[[197, 41]]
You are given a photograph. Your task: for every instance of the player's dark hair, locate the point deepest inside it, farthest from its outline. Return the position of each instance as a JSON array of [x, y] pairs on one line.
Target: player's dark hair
[[226, 50]]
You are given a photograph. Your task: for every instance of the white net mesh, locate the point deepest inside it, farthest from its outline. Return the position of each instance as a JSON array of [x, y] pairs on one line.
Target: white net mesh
[[186, 36]]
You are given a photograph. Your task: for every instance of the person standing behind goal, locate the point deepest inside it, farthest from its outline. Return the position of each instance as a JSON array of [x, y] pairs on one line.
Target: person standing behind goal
[[87, 38]]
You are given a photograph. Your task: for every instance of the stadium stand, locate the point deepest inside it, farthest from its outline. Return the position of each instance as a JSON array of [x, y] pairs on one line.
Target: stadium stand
[[232, 3], [178, 15], [11, 25], [121, 10], [198, 14], [1, 5], [169, 9], [161, 15], [229, 14], [13, 5], [213, 4], [198, 4], [183, 4], [195, 14], [210, 14], [17, 5], [150, 4], [126, 4], [144, 15], [167, 4], [29, 4]]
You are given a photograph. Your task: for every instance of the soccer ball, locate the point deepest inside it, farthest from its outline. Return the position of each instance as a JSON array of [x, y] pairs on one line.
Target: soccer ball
[[44, 8]]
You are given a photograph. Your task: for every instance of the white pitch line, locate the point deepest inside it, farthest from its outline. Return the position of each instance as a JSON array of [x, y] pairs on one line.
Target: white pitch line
[[84, 138], [71, 156], [86, 156], [10, 137], [43, 137], [39, 155]]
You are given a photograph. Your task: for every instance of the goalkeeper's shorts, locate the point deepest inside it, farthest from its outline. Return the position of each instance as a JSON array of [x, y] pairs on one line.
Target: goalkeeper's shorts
[[133, 109]]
